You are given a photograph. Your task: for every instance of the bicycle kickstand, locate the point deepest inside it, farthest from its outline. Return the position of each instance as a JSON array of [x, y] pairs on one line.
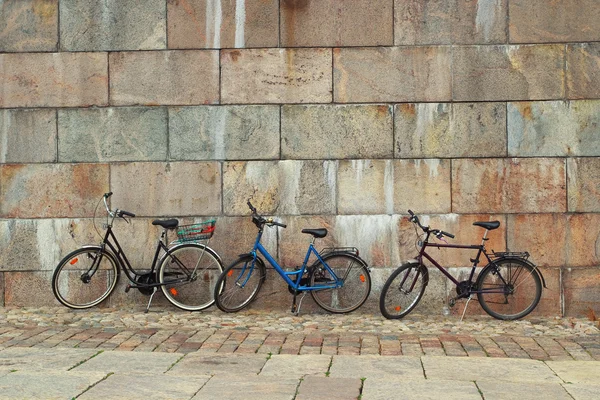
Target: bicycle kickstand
[[296, 308], [154, 290], [465, 309]]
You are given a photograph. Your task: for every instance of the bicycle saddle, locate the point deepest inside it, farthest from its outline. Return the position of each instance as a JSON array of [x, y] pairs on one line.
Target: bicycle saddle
[[488, 224], [318, 233], [166, 223]]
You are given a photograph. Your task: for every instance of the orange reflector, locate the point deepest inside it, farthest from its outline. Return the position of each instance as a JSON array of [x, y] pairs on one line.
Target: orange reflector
[[362, 278], [74, 261], [173, 291], [398, 308], [230, 273]]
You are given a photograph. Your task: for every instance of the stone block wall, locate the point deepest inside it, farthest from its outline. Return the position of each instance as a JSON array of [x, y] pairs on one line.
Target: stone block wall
[[327, 113]]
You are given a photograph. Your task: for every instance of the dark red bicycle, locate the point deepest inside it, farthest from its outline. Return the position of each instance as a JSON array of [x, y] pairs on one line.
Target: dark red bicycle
[[509, 287]]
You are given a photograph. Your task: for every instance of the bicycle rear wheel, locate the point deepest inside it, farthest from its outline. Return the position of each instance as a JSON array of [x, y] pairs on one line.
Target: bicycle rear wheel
[[239, 284], [355, 285], [188, 275], [85, 277], [403, 290], [509, 289]]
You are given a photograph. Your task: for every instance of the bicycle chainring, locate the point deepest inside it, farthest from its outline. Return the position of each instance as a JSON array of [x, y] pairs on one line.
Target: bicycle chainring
[[146, 279], [463, 289]]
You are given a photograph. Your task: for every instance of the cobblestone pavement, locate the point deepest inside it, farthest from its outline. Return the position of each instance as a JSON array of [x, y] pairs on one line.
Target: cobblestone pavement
[[264, 332]]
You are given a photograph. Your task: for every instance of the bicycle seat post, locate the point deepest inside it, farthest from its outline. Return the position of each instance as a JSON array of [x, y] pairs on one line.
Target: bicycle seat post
[[485, 238]]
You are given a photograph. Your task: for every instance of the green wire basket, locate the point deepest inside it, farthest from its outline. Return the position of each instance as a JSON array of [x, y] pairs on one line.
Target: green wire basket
[[195, 232]]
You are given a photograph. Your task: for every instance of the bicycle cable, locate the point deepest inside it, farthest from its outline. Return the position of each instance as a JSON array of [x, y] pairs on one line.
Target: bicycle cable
[[94, 219]]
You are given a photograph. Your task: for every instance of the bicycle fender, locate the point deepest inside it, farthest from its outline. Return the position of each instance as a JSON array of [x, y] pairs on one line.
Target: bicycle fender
[[206, 248], [532, 265]]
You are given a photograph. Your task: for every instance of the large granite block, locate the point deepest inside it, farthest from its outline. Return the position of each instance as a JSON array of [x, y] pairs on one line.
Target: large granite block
[[389, 74], [167, 189], [461, 226], [583, 177], [332, 131], [554, 128], [276, 76], [450, 22], [19, 288], [213, 24], [583, 73], [224, 133], [393, 186], [112, 134], [528, 185], [90, 25], [542, 235], [581, 291], [337, 23], [177, 77], [27, 136], [29, 25], [583, 240], [279, 187], [51, 190], [39, 244], [550, 21], [494, 73], [53, 80], [428, 130]]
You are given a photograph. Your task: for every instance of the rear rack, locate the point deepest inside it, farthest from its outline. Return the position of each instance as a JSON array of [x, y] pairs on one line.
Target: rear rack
[[516, 254], [351, 250]]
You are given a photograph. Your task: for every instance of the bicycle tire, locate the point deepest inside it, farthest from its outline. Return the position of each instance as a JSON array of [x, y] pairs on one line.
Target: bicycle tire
[[239, 284], [403, 290], [73, 287], [520, 284], [188, 274], [356, 285]]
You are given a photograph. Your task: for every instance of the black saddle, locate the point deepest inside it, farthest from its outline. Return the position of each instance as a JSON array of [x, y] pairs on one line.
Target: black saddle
[[318, 233], [166, 223], [487, 224]]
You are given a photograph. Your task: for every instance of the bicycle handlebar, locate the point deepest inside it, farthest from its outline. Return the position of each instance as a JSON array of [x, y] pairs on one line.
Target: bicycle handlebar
[[117, 212], [437, 232], [259, 220]]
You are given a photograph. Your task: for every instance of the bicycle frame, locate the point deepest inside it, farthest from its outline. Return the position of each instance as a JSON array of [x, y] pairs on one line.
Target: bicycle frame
[[258, 247]]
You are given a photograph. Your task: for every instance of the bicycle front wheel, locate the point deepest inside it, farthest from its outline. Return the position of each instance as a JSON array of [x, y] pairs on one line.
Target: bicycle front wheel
[[85, 277], [239, 284], [403, 290], [509, 289], [188, 275], [353, 280]]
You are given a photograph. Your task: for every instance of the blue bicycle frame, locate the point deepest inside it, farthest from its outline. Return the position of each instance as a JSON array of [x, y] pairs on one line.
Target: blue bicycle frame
[[286, 275]]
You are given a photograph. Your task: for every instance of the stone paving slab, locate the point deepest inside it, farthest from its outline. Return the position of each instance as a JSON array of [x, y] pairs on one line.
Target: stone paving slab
[[33, 359], [583, 391], [395, 388], [405, 368], [327, 388], [118, 386], [210, 364], [248, 387], [581, 372], [521, 391], [130, 362], [46, 384], [296, 366], [494, 369]]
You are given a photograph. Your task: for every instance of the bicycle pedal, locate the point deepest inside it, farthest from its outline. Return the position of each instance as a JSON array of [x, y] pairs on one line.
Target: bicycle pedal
[[127, 288]]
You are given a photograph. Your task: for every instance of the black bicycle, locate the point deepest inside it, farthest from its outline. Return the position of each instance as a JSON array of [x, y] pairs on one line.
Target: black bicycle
[[186, 272], [508, 288]]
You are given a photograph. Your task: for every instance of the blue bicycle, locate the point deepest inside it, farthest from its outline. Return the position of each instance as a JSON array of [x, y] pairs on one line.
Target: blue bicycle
[[338, 280]]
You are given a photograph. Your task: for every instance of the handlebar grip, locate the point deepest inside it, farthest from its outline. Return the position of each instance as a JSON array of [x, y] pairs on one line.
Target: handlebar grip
[[447, 234], [280, 224], [126, 213], [251, 206], [411, 213], [107, 195]]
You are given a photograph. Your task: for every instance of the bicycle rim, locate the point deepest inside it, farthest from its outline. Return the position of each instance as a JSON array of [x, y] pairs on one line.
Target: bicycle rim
[[85, 278], [509, 290], [188, 276], [403, 290], [355, 284], [239, 285]]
